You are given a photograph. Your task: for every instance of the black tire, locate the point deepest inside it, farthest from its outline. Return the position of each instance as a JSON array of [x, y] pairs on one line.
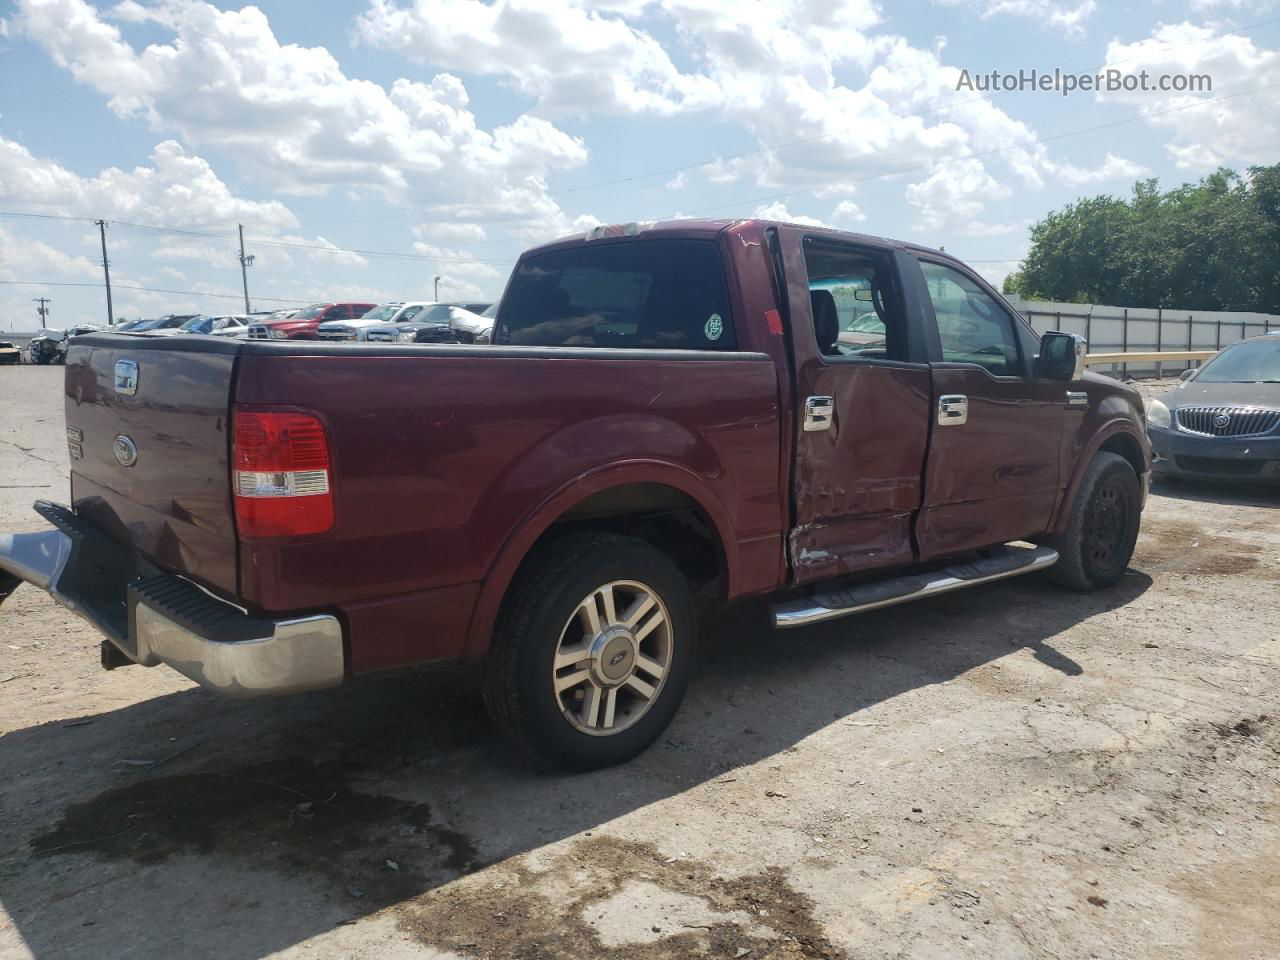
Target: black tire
[[1095, 548], [518, 674]]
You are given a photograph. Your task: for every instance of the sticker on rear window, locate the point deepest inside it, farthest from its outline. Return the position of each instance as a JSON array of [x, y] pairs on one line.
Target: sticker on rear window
[[714, 327]]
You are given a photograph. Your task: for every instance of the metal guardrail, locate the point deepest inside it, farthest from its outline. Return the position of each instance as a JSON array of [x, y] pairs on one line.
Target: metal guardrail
[[1157, 356]]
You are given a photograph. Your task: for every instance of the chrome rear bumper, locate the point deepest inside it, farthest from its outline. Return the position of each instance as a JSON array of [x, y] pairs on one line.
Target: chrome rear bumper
[[152, 617]]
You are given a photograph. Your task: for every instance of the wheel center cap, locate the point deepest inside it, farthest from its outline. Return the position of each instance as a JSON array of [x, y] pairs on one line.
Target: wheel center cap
[[613, 655]]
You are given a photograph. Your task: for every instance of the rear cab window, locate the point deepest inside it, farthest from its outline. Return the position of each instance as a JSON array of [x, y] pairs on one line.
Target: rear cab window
[[642, 294]]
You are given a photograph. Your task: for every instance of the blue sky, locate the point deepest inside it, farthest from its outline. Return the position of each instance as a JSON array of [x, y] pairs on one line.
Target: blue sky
[[451, 134]]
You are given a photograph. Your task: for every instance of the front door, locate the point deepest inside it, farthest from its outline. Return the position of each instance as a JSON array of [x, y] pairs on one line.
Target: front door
[[993, 465], [863, 401]]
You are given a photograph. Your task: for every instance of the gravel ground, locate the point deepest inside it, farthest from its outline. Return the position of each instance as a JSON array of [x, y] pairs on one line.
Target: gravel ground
[[1008, 772]]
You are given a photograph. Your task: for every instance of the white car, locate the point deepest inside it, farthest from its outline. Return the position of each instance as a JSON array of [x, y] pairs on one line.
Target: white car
[[396, 311], [470, 327], [224, 325]]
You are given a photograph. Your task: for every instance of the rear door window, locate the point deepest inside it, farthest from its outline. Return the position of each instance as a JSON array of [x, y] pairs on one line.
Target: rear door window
[[655, 294]]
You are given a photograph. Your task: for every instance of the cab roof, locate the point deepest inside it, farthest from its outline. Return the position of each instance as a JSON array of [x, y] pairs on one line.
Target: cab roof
[[707, 228]]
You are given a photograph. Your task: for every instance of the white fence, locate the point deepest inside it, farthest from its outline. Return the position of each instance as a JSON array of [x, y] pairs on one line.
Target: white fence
[[1142, 330]]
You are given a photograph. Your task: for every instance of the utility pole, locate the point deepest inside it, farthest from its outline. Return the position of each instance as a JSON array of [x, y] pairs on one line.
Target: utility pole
[[42, 309], [437, 296], [244, 262], [106, 271]]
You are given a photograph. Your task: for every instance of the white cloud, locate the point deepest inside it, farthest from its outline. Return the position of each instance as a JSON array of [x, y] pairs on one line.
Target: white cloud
[[450, 232], [1067, 17], [292, 118], [846, 211], [779, 211], [954, 195], [1236, 131], [1111, 168], [781, 70], [566, 57], [175, 188], [22, 258], [453, 262]]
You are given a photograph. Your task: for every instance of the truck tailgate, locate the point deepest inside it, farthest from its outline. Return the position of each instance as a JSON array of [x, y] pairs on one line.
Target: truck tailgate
[[173, 503]]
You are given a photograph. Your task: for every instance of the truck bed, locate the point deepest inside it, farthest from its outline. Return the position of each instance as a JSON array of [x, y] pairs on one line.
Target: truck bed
[[438, 453]]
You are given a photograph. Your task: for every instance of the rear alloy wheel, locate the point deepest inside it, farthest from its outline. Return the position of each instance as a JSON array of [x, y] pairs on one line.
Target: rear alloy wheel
[[1095, 548], [613, 658], [592, 651]]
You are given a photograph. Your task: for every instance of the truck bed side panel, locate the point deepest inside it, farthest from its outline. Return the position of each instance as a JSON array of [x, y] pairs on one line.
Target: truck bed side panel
[[440, 454]]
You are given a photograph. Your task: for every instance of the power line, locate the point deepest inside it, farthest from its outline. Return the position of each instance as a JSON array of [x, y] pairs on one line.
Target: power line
[[263, 241], [130, 286]]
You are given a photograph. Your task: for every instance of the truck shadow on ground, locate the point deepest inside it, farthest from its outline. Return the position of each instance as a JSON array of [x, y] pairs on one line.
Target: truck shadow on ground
[[268, 823]]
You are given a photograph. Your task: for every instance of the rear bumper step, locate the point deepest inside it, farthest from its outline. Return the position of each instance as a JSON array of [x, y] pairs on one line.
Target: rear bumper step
[[152, 617], [828, 604]]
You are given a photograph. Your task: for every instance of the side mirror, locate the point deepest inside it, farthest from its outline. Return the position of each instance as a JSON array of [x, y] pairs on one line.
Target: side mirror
[[1187, 374], [1061, 356]]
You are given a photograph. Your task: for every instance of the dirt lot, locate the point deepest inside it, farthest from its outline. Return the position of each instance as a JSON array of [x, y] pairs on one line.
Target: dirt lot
[[1008, 772]]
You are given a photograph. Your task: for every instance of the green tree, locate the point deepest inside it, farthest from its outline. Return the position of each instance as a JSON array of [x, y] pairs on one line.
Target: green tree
[[1212, 245]]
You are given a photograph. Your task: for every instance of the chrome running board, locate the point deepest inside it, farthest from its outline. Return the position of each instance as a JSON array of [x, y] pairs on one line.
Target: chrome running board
[[828, 604]]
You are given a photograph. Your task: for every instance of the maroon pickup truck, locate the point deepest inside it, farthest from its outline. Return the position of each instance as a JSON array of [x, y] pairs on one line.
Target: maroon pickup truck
[[729, 408]]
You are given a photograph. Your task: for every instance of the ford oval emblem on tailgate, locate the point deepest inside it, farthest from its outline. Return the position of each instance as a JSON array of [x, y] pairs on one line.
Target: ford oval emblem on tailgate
[[127, 377], [126, 451]]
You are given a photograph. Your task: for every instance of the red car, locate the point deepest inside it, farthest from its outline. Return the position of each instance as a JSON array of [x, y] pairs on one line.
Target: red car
[[666, 411], [303, 324]]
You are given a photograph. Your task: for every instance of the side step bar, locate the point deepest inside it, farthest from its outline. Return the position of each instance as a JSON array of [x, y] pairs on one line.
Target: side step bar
[[828, 604]]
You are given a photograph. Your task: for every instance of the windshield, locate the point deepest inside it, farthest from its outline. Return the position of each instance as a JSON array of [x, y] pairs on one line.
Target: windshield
[[490, 311], [435, 313], [311, 312], [1254, 361], [383, 313], [198, 325]]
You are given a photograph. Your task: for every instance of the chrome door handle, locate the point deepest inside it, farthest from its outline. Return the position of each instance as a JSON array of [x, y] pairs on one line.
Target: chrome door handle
[[818, 413], [953, 410]]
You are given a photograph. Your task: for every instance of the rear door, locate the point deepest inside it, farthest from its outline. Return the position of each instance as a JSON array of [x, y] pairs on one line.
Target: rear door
[[993, 466], [863, 400]]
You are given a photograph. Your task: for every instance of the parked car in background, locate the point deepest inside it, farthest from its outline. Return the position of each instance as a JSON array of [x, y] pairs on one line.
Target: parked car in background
[[1223, 421], [170, 321], [393, 312], [303, 324], [471, 327], [9, 353], [429, 326], [47, 346], [666, 412], [50, 346], [128, 325], [221, 325]]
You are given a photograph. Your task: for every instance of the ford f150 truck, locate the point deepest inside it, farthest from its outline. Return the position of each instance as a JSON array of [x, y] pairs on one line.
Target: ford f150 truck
[[667, 409]]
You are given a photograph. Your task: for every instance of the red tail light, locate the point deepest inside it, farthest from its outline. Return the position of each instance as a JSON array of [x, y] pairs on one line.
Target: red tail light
[[280, 474]]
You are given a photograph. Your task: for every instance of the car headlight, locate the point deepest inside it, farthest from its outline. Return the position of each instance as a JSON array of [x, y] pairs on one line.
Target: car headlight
[[1158, 415], [407, 336], [276, 334]]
